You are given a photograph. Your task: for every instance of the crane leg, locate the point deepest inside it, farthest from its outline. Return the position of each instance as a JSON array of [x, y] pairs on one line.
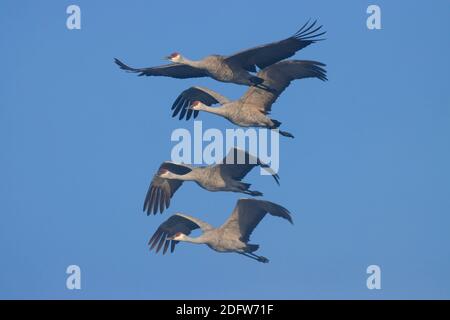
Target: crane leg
[[285, 134], [260, 258], [255, 257]]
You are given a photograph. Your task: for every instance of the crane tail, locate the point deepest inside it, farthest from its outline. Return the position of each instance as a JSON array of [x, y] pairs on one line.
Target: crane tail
[[125, 67]]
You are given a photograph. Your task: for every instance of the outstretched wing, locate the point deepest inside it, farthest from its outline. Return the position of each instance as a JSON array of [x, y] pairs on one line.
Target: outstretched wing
[[185, 99], [170, 227], [248, 213], [278, 77], [161, 190], [238, 163], [173, 70], [268, 54]]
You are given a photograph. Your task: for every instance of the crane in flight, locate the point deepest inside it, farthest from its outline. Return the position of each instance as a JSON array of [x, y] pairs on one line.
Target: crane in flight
[[232, 236], [253, 108], [236, 68], [224, 176]]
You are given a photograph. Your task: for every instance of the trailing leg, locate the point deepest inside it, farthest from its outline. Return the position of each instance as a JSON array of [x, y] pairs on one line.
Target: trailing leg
[[244, 188], [276, 125], [283, 133], [286, 134], [255, 257]]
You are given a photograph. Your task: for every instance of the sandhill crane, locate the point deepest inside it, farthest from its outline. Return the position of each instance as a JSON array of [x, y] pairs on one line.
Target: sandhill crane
[[252, 108], [225, 176], [232, 236], [235, 68]]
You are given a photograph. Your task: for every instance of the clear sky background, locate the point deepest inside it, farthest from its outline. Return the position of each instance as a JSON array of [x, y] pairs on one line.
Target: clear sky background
[[367, 177]]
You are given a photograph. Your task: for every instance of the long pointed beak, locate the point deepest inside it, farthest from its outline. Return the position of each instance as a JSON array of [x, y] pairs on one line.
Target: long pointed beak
[[167, 58]]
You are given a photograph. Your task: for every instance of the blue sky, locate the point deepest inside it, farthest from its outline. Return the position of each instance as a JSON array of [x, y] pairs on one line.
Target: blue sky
[[367, 177]]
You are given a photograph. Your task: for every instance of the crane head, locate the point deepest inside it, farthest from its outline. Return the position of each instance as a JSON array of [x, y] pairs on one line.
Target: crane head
[[174, 57]]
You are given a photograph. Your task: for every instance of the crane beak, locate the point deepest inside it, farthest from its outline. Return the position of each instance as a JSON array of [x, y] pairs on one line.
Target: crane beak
[[167, 58]]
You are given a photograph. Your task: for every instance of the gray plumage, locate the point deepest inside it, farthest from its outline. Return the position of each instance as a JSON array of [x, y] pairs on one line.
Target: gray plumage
[[235, 68], [232, 236], [252, 109], [225, 176]]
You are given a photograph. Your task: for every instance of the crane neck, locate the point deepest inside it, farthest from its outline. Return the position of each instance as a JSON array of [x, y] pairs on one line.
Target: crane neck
[[190, 176], [193, 63], [221, 111], [196, 240]]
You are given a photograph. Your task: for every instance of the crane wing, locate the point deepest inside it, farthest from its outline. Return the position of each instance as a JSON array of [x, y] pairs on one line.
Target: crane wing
[[188, 96], [170, 227], [161, 190], [248, 213], [173, 70], [268, 54], [278, 77], [238, 163]]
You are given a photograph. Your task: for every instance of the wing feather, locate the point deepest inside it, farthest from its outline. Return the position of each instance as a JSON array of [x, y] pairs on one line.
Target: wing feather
[[188, 96], [161, 190], [278, 77], [268, 54], [173, 70], [248, 213], [170, 227], [238, 163]]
